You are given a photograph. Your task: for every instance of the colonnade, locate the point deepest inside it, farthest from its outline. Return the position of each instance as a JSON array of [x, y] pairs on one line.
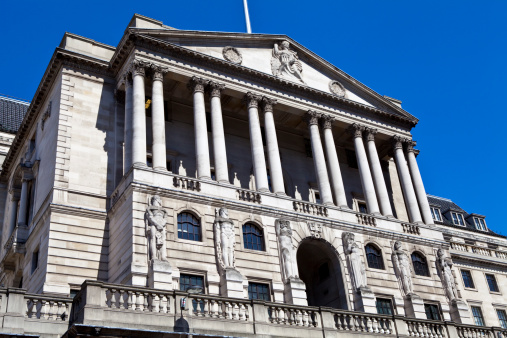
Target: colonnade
[[327, 168]]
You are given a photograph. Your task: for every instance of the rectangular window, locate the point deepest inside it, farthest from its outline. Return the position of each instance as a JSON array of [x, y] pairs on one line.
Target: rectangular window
[[308, 148], [502, 318], [435, 213], [457, 219], [480, 224], [493, 286], [384, 306], [258, 291], [351, 158], [362, 207], [432, 311], [192, 281], [477, 313], [467, 279], [35, 260]]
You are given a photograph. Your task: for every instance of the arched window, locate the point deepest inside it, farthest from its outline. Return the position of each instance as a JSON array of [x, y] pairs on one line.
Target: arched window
[[374, 257], [253, 237], [420, 264], [189, 227]]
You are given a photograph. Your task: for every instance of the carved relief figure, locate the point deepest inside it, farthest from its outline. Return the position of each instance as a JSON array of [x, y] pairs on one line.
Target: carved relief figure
[[285, 63], [355, 261], [287, 253], [155, 222], [224, 238], [444, 265], [403, 268]]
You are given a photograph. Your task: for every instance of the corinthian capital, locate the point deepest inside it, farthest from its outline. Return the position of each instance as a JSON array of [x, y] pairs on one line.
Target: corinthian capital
[[398, 141], [370, 134], [267, 104], [215, 88], [158, 72], [197, 84], [410, 146], [357, 130], [139, 67], [312, 117], [327, 121], [252, 100]]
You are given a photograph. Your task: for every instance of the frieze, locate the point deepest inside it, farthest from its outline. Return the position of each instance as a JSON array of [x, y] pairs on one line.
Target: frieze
[[231, 54]]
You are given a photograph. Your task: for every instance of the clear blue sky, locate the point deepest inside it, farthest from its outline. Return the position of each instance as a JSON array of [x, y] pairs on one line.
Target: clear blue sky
[[446, 60]]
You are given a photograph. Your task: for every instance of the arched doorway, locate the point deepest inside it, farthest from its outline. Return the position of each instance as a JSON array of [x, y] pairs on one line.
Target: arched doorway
[[319, 267]]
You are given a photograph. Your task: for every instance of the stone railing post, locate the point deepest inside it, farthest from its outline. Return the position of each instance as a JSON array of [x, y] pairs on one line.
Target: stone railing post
[[259, 312], [94, 298], [327, 319], [452, 332], [15, 310], [400, 326]]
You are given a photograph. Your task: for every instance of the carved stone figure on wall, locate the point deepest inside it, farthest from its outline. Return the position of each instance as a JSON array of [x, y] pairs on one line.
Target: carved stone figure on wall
[[403, 268], [444, 265], [285, 63], [287, 253], [355, 261], [155, 223], [225, 241]]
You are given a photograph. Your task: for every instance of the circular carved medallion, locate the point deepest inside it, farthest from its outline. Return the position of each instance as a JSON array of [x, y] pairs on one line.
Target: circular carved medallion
[[337, 88], [232, 54]]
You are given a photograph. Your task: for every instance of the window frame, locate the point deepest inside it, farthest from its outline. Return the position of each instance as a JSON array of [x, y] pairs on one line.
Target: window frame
[[480, 224], [257, 283], [35, 261], [204, 290], [434, 212], [459, 218], [433, 306], [262, 237], [379, 256], [199, 219], [486, 275], [471, 279], [481, 315], [387, 300], [418, 253], [503, 322]]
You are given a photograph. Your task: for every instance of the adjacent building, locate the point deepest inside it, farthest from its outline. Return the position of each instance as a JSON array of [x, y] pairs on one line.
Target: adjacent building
[[234, 185]]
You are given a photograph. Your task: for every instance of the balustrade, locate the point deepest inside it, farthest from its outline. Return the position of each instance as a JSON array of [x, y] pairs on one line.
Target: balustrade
[[429, 329], [248, 195], [217, 307], [363, 322], [310, 208], [410, 228], [478, 250], [470, 331], [290, 315], [47, 308], [365, 219], [187, 183], [136, 300]]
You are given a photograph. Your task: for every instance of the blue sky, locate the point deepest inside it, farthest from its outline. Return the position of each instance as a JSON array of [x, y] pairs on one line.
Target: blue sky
[[446, 60]]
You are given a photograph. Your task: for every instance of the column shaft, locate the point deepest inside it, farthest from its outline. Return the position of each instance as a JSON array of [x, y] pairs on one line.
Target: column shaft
[[275, 165], [319, 160], [139, 116], [259, 162], [158, 121], [378, 176], [418, 185], [13, 212], [217, 127], [127, 155], [406, 181], [23, 203], [200, 129], [364, 171], [334, 164]]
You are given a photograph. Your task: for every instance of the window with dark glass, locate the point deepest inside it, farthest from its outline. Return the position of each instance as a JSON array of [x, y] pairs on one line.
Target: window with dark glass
[[35, 260], [420, 264], [362, 207], [467, 279], [435, 213], [457, 219], [432, 311], [189, 227], [374, 257], [253, 237], [258, 291], [384, 306], [493, 286], [477, 313], [502, 318], [192, 281]]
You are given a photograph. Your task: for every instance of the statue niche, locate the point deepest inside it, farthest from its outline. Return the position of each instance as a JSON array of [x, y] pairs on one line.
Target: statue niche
[[155, 223]]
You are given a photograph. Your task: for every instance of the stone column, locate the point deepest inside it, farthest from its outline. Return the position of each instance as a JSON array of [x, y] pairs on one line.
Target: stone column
[[217, 127], [406, 181], [127, 152], [364, 170], [259, 162], [158, 119], [13, 210], [23, 202], [378, 176], [418, 184], [312, 118], [196, 85], [333, 163], [139, 115], [275, 165]]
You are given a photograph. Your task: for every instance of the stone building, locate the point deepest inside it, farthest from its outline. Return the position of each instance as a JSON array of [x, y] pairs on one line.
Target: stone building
[[230, 184]]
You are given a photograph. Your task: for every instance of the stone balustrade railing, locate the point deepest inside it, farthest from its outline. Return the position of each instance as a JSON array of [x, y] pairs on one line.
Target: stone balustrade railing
[[310, 208], [366, 219], [139, 308], [478, 250], [410, 229], [187, 183], [248, 195]]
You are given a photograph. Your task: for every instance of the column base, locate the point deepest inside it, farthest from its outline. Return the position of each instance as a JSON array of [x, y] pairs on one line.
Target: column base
[[280, 194], [205, 178], [263, 190], [375, 214], [295, 292], [160, 168], [224, 182]]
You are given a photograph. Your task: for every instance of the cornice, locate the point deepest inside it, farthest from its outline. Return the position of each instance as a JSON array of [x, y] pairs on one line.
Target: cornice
[[479, 260], [139, 40]]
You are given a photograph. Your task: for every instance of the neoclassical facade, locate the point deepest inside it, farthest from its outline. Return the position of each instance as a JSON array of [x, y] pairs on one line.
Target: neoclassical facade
[[234, 185]]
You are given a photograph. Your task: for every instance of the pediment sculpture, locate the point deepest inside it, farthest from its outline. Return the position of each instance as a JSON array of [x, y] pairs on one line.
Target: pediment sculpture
[[285, 63], [225, 241], [155, 220]]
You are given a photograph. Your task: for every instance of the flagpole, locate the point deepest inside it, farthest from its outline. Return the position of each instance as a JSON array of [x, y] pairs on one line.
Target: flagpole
[[247, 17]]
